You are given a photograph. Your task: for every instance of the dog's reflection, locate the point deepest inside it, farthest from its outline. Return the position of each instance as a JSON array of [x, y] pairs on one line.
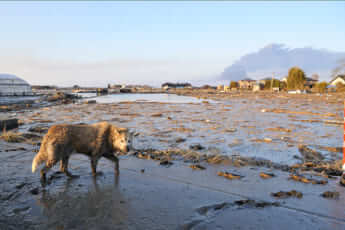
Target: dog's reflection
[[97, 207]]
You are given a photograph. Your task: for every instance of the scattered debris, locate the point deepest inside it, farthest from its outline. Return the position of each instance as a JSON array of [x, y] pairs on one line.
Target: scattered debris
[[279, 129], [330, 195], [35, 191], [231, 130], [266, 175], [90, 102], [342, 180], [255, 204], [197, 167], [157, 115], [196, 147], [39, 129], [306, 180], [310, 154], [165, 163], [8, 124], [283, 195], [230, 176], [180, 140]]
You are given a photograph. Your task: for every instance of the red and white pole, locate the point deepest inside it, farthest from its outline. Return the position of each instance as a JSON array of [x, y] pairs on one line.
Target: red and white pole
[[344, 142]]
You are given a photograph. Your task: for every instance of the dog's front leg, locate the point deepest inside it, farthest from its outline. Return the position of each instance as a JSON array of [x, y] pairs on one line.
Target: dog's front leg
[[94, 162], [64, 167], [115, 160]]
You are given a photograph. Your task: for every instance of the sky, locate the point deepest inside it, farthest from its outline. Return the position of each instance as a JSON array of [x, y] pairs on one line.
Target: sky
[[96, 43]]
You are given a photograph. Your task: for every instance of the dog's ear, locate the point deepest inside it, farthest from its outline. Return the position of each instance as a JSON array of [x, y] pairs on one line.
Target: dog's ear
[[122, 130]]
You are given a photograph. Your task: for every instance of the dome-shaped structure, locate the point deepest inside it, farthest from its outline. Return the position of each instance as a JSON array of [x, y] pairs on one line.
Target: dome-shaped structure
[[11, 85]]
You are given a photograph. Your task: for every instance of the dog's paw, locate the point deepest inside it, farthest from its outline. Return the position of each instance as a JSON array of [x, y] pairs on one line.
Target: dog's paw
[[99, 173]]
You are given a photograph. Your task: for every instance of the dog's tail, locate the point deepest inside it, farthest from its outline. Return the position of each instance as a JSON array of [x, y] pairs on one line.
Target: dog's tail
[[38, 160]]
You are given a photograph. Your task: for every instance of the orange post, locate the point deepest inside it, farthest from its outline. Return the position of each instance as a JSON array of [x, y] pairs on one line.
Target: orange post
[[344, 141]]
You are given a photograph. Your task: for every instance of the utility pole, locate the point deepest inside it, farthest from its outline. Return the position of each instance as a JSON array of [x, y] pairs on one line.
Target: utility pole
[[272, 81]]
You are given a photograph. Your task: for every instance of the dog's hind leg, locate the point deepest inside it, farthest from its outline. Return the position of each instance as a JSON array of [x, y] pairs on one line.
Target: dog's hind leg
[[64, 167]]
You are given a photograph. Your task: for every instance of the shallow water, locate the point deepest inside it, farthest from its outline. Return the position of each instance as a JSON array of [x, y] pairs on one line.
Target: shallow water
[[233, 127], [143, 97], [17, 99]]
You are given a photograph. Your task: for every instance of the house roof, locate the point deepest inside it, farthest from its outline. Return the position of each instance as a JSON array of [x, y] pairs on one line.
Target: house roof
[[247, 79], [310, 79], [338, 76]]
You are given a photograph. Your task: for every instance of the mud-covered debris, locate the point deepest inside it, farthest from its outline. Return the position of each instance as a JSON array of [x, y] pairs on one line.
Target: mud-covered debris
[[230, 176], [266, 175], [330, 195], [39, 129], [342, 180], [90, 102], [8, 124], [279, 129], [197, 147], [21, 185], [310, 154], [197, 167], [255, 204], [165, 162], [157, 115], [265, 140], [307, 180], [19, 210], [12, 137], [204, 210], [180, 140], [35, 191], [292, 193], [231, 130]]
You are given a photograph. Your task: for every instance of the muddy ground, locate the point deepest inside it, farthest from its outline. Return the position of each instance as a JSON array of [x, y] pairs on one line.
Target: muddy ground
[[231, 161]]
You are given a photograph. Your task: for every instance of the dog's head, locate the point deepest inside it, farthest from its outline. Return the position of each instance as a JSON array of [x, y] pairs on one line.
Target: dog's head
[[122, 139]]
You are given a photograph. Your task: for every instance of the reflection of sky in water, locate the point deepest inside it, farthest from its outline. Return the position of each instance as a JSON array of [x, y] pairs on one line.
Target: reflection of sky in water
[[6, 100], [158, 97]]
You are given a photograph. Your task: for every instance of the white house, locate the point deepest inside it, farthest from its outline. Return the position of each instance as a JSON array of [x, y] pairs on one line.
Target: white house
[[338, 79]]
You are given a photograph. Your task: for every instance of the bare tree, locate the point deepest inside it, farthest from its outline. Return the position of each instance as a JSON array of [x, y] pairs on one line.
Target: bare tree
[[315, 76], [340, 69]]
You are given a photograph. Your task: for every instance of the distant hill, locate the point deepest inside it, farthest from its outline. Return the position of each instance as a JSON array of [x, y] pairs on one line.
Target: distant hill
[[276, 59]]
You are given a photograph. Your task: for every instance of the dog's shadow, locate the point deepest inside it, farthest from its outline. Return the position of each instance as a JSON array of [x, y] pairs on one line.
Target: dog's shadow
[[84, 207]]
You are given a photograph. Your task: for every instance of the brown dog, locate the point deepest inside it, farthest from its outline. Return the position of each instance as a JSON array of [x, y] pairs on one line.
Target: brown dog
[[96, 141]]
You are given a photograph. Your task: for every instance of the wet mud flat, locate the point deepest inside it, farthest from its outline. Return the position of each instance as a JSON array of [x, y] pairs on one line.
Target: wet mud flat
[[236, 162]]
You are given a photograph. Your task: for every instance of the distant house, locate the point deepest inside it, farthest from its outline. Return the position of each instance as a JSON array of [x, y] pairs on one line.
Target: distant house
[[257, 86], [339, 79], [220, 87], [246, 83], [310, 82], [169, 85]]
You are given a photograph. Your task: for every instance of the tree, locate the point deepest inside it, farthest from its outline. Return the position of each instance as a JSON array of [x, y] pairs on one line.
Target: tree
[[296, 78], [321, 87], [233, 85], [315, 76], [340, 69]]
